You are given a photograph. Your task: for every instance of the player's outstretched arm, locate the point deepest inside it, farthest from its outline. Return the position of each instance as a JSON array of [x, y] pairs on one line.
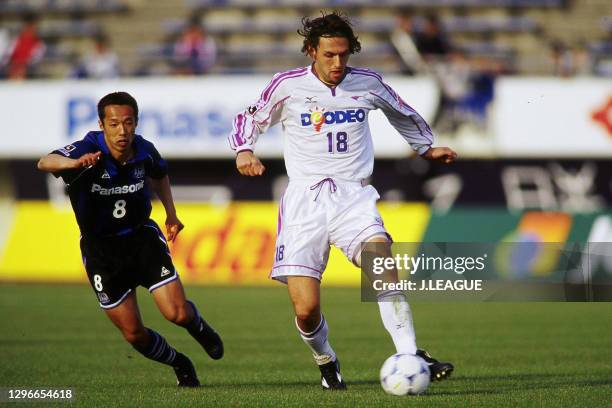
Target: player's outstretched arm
[[54, 162], [248, 164], [162, 189], [445, 155]]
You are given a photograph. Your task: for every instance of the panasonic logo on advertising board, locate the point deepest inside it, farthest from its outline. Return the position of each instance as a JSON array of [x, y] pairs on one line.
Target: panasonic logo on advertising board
[[179, 122]]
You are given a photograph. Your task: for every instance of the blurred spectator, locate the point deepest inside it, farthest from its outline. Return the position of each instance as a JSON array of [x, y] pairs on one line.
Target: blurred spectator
[[464, 89], [431, 41], [453, 78], [561, 59], [601, 55], [6, 47], [27, 51], [482, 86], [467, 85], [583, 62], [195, 52], [567, 62], [402, 39], [101, 63]]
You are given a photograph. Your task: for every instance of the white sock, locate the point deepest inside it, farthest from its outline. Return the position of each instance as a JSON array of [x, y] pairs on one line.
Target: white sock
[[317, 342], [397, 319]]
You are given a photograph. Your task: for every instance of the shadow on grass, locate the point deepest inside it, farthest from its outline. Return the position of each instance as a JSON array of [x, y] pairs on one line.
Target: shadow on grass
[[281, 384], [540, 381]]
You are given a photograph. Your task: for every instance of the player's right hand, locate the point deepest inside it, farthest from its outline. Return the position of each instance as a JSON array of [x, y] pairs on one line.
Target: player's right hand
[[173, 227], [248, 164], [88, 159]]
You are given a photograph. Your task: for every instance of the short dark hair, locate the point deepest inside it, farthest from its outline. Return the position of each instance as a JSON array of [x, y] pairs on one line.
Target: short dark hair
[[328, 25], [30, 17], [102, 38], [117, 98]]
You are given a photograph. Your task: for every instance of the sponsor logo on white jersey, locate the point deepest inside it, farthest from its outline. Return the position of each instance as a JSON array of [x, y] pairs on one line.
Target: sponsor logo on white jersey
[[318, 117]]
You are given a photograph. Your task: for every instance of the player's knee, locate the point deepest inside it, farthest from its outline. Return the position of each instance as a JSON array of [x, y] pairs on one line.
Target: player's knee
[[136, 336], [179, 314], [378, 246], [308, 313]]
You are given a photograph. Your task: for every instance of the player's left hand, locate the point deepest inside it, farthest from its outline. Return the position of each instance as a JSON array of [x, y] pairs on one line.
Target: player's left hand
[[445, 155], [248, 164], [173, 227]]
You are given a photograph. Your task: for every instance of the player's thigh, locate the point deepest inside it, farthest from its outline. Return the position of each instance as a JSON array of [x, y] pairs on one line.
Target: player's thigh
[[302, 249], [154, 267], [171, 301], [356, 222], [104, 263], [302, 242], [377, 246], [126, 317]]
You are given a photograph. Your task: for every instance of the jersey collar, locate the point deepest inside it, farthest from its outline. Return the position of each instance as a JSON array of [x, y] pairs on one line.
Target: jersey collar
[[333, 88], [139, 151]]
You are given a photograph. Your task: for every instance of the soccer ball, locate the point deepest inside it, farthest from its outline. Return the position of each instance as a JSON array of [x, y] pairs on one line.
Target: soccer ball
[[404, 374]]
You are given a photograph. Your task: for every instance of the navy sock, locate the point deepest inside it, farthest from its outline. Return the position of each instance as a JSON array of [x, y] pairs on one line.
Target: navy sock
[[193, 327], [158, 349]]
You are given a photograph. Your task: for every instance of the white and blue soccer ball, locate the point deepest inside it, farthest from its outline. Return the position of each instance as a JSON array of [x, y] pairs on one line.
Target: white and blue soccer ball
[[404, 374]]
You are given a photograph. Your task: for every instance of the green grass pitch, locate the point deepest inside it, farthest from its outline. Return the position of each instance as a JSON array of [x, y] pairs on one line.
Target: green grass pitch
[[506, 354]]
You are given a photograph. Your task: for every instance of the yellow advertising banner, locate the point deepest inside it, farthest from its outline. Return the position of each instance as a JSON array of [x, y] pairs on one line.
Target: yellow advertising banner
[[42, 245], [220, 245]]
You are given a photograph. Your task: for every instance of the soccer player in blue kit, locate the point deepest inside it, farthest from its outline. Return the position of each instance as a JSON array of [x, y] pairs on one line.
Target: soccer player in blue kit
[[108, 174]]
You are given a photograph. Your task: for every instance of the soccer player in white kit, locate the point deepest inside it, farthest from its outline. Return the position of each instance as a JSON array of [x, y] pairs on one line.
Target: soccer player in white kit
[[323, 109]]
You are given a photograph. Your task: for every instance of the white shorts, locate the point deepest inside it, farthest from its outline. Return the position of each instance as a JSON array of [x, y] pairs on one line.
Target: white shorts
[[314, 214]]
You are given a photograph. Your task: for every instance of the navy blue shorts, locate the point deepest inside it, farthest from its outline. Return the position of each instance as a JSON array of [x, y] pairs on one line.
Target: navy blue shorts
[[117, 265]]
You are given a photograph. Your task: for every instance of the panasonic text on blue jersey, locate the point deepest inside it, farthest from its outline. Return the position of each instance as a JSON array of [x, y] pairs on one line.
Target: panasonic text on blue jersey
[[132, 188]]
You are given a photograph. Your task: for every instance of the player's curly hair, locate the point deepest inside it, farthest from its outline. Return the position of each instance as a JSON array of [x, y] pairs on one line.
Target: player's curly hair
[[117, 98], [328, 25]]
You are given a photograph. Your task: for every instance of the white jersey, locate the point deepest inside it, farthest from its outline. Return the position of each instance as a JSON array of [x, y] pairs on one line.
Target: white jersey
[[326, 129]]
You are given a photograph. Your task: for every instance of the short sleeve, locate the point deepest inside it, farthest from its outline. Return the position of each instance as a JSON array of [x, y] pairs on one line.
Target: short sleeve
[[74, 151], [157, 167]]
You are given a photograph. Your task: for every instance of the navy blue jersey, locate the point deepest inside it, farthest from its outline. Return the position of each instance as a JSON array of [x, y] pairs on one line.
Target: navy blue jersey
[[109, 198]]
